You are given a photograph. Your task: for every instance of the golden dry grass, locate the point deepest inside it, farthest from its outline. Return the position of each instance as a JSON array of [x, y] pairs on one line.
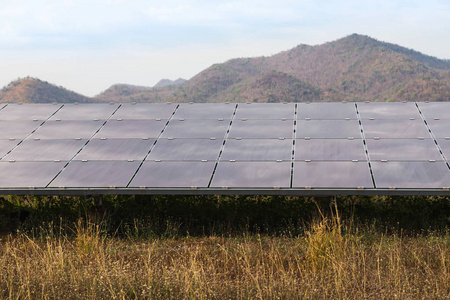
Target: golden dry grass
[[324, 263]]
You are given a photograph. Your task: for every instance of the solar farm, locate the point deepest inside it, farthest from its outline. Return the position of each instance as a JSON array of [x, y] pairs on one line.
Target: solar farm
[[226, 148]]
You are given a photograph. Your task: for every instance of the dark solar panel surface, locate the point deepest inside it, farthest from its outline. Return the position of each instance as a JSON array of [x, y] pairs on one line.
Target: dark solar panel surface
[[225, 147]]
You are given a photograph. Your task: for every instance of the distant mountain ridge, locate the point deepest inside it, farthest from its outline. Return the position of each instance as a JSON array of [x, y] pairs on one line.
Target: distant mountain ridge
[[354, 68]]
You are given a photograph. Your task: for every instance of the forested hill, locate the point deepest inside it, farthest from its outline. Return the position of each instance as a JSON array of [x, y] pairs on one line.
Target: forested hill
[[33, 90], [354, 68]]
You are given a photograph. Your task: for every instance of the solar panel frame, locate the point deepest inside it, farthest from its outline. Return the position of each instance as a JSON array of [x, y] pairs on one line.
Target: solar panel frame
[[328, 129], [329, 149], [265, 111], [28, 175], [317, 111], [46, 150], [395, 129], [145, 111], [251, 174], [261, 129], [332, 174], [106, 174], [173, 174], [186, 149], [30, 112]]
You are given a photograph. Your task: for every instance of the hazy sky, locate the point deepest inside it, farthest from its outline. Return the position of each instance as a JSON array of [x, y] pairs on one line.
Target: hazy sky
[[88, 45]]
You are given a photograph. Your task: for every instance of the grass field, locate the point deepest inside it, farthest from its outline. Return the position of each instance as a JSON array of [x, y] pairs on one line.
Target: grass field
[[225, 248]]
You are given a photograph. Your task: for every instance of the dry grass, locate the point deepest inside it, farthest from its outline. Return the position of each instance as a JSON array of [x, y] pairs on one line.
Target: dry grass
[[324, 263]]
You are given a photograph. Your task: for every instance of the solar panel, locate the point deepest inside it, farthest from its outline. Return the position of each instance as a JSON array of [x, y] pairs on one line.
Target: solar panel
[[67, 130], [329, 149], [115, 149], [317, 148], [204, 111], [196, 129], [174, 174], [262, 129], [90, 174], [17, 130], [332, 174], [6, 146], [145, 111], [70, 112], [411, 174], [383, 110], [326, 111], [36, 174], [328, 129], [46, 150], [244, 174], [435, 110], [186, 149], [265, 111], [257, 149], [403, 149], [29, 112], [439, 128], [398, 129], [131, 129]]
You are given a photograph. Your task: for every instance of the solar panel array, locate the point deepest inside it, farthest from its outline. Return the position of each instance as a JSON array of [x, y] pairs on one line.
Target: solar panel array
[[224, 147]]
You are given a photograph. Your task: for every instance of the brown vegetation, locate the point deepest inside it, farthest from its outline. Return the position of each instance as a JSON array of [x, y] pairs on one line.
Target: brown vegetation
[[330, 260]]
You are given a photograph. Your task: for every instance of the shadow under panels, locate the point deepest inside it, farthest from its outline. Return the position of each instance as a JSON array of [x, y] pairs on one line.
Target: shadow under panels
[[28, 112], [326, 111], [265, 111]]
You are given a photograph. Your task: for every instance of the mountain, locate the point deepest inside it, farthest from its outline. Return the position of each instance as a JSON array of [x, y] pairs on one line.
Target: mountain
[[167, 82], [33, 90], [354, 68]]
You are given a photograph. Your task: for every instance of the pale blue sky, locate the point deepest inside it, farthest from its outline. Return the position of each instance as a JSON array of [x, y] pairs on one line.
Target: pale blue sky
[[88, 45]]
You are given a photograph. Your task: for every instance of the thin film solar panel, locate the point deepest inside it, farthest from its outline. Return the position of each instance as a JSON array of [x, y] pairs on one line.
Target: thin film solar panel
[[116, 149], [326, 111], [92, 174], [328, 129], [329, 149], [262, 129], [67, 130], [435, 110], [403, 149], [17, 129], [28, 174], [413, 175], [396, 129], [174, 174], [265, 111], [205, 111], [440, 128], [244, 174], [28, 112], [70, 112], [332, 174], [131, 129], [145, 111], [196, 129], [186, 149], [392, 110], [6, 146], [46, 150], [257, 149]]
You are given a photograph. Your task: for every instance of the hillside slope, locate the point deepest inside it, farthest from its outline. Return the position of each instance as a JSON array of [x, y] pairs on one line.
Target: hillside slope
[[33, 90], [354, 68]]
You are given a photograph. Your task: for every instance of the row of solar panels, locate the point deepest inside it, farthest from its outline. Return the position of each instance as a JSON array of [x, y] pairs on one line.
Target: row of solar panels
[[286, 146]]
